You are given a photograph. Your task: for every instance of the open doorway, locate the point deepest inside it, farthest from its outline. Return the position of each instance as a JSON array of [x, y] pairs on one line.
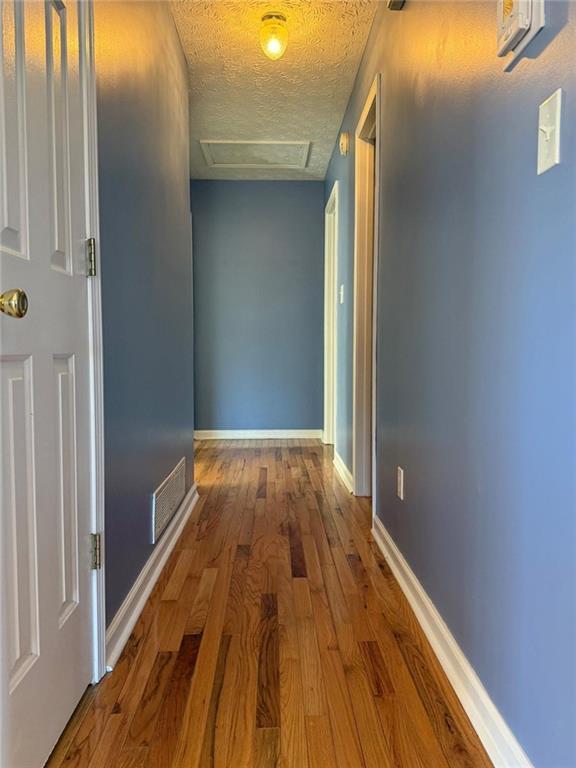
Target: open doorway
[[330, 318], [365, 241]]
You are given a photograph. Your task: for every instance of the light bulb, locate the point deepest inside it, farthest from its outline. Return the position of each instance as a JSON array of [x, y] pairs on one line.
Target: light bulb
[[274, 35]]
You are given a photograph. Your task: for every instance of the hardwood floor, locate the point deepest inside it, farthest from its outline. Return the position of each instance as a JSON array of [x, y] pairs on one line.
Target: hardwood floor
[[276, 636]]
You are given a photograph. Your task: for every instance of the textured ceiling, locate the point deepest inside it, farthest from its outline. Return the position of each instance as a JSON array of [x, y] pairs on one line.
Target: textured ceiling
[[237, 94]]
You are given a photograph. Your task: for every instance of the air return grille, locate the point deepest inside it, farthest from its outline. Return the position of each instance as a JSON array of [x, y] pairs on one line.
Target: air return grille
[[167, 498]]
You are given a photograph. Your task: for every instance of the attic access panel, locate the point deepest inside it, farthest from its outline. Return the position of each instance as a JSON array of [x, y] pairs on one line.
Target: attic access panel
[[255, 154]]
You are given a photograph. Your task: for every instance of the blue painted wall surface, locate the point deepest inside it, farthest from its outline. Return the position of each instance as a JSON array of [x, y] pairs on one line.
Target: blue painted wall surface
[[476, 365], [146, 272], [258, 293]]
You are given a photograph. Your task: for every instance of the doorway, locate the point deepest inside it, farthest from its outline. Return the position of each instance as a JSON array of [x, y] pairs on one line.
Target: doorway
[[330, 316], [365, 261]]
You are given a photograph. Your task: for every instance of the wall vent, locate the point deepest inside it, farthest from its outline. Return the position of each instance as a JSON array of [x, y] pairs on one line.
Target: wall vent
[[167, 498]]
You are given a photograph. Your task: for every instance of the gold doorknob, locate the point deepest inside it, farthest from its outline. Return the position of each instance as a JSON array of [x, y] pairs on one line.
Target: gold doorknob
[[14, 303]]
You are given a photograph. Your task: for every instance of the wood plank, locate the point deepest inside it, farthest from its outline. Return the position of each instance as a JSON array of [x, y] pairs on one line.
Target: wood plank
[[296, 550], [170, 625], [312, 678], [237, 713], [320, 742], [199, 612], [262, 480], [179, 574], [325, 631], [346, 739], [171, 712], [376, 670], [313, 567], [131, 758], [234, 609], [293, 742], [267, 748], [208, 756], [372, 740], [268, 702], [108, 743], [144, 721]]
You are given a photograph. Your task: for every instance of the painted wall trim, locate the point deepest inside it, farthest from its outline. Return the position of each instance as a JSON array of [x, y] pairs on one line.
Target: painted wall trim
[[497, 738], [331, 228], [97, 489], [343, 472], [366, 218], [123, 622], [257, 434]]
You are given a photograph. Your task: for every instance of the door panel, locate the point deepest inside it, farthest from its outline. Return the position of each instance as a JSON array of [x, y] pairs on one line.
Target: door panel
[[13, 181], [44, 367], [21, 575], [67, 490], [57, 59]]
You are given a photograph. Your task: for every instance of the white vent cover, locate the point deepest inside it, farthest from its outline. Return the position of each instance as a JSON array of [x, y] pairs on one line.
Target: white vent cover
[[167, 498], [255, 154]]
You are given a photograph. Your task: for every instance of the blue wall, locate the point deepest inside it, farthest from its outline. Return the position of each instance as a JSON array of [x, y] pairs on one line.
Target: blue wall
[[476, 379], [258, 293], [146, 272]]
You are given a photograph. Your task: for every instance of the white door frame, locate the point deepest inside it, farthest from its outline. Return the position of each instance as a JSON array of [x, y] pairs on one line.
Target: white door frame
[[96, 367], [330, 317], [367, 173]]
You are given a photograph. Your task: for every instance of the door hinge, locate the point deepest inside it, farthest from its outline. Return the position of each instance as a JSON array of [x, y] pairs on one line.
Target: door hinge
[[91, 257], [96, 551]]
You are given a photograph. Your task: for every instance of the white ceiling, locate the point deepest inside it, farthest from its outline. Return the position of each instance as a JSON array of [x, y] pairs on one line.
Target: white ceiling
[[237, 94]]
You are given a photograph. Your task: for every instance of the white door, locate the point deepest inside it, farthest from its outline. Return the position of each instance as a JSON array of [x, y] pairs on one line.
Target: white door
[[44, 365]]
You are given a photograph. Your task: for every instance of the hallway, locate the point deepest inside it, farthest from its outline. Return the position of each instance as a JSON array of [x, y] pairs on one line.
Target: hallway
[[276, 635]]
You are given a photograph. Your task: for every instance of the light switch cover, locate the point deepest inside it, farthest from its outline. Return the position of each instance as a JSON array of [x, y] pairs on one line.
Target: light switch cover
[[549, 115]]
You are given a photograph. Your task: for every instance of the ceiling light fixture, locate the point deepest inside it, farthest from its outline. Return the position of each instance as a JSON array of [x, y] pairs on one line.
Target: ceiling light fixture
[[274, 35]]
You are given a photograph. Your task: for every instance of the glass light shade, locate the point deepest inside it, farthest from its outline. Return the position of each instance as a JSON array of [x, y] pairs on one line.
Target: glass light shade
[[274, 35]]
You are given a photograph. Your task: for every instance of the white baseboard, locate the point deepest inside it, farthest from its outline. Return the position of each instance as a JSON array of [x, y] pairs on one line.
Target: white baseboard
[[497, 738], [343, 472], [123, 622], [257, 434]]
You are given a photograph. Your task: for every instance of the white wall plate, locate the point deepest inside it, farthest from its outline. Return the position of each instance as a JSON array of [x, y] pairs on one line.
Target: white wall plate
[[549, 115]]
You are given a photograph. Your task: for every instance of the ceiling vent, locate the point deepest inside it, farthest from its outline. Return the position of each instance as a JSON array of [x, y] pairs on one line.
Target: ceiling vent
[[256, 154]]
